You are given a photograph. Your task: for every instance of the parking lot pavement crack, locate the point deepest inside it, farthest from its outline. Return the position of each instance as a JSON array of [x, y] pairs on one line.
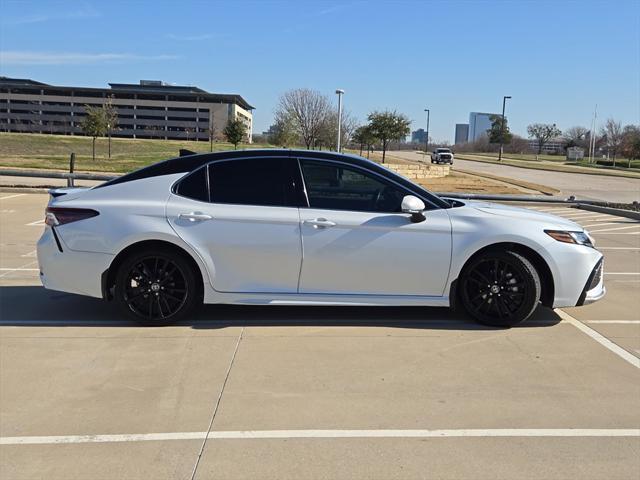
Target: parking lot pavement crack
[[217, 404]]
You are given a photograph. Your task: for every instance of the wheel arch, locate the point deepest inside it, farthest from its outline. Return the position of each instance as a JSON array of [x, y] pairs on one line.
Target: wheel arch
[[109, 275], [546, 277]]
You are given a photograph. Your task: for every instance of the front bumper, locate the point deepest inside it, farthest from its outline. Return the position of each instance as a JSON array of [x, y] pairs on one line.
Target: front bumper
[[594, 289]]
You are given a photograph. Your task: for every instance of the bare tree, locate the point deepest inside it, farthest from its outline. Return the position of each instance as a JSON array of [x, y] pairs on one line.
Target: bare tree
[[543, 132], [575, 137], [307, 110], [613, 136]]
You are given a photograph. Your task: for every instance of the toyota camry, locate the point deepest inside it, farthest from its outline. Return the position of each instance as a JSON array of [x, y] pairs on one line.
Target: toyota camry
[[287, 227]]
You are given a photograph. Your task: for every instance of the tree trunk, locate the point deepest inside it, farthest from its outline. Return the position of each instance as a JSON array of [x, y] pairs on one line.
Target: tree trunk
[[384, 150], [361, 149], [93, 148], [540, 145]]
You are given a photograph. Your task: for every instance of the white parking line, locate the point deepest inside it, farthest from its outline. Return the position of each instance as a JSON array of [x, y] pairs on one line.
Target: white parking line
[[19, 269], [637, 225], [600, 224], [289, 434], [7, 271], [572, 216], [618, 248], [37, 223], [12, 196], [605, 342], [633, 322]]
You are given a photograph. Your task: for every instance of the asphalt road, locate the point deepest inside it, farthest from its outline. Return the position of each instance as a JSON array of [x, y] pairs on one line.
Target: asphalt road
[[324, 393], [588, 187]]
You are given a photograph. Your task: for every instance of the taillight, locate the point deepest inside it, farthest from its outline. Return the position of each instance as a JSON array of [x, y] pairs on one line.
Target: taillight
[[55, 216]]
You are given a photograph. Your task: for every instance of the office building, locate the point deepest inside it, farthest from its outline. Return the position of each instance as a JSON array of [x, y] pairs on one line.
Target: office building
[[479, 123], [150, 109], [462, 133], [419, 136]]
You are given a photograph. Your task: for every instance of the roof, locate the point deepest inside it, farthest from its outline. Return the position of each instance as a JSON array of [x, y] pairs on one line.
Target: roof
[[137, 88]]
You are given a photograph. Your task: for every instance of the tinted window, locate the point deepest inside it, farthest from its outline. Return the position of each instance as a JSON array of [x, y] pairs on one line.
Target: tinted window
[[336, 187], [254, 181], [194, 186]]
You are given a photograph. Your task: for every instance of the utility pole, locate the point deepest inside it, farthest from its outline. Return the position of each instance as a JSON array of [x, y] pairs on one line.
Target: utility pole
[[504, 101], [340, 92], [426, 141], [592, 136]]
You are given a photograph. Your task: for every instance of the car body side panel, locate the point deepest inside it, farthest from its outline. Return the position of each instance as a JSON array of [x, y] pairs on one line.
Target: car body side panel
[[570, 265], [245, 248]]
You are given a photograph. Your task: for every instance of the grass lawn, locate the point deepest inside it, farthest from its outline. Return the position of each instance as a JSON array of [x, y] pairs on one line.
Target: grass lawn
[[621, 163], [27, 150], [571, 167]]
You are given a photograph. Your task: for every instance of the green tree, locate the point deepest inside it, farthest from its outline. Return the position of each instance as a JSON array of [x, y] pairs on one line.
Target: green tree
[[364, 137], [543, 132], [283, 132], [631, 143], [387, 126], [235, 132], [495, 132], [94, 124]]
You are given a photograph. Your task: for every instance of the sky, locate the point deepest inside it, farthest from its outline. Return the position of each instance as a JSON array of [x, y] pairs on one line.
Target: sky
[[556, 59]]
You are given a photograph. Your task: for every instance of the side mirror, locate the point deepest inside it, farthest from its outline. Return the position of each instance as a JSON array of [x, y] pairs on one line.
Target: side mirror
[[415, 207]]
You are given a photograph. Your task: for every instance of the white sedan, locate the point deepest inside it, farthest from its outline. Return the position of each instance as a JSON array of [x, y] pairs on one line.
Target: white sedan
[[287, 227]]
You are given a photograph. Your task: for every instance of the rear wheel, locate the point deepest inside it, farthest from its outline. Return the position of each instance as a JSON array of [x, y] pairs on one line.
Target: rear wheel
[[500, 288], [157, 287]]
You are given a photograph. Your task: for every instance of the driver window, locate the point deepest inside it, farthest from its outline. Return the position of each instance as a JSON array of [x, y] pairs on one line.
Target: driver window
[[336, 187]]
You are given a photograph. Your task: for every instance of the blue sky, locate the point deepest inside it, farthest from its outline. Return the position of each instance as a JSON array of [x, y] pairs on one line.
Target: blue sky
[[556, 59]]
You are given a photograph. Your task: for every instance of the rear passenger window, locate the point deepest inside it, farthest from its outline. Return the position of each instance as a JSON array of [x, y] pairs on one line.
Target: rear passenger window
[[194, 186], [252, 181]]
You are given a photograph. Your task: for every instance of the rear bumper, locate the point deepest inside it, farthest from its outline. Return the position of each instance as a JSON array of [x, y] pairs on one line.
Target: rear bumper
[[594, 289], [70, 271]]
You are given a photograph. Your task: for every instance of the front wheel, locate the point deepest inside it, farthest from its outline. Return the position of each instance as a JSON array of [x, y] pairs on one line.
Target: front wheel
[[499, 288], [157, 287]]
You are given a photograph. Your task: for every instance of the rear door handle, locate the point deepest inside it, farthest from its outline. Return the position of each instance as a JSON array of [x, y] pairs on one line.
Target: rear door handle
[[320, 223], [195, 216]]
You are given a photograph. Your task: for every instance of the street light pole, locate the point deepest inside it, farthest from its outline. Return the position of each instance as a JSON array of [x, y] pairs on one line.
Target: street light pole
[[340, 92], [504, 101], [426, 142]]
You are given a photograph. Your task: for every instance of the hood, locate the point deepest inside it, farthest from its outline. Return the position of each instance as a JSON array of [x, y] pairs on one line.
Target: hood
[[524, 214]]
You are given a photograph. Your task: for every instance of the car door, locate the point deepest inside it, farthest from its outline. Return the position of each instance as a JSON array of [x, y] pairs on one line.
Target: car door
[[356, 240], [246, 224]]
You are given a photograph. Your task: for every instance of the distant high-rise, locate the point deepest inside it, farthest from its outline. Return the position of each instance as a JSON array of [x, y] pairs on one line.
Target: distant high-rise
[[462, 133], [419, 136], [479, 123]]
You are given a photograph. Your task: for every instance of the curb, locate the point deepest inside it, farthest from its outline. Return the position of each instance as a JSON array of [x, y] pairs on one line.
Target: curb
[[611, 211], [22, 189]]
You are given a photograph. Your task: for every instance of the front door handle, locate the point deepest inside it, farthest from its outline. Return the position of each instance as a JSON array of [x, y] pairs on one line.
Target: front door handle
[[320, 223], [195, 216]]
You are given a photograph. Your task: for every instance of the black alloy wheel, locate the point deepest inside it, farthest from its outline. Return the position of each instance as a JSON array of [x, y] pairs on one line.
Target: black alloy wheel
[[157, 287], [500, 288]]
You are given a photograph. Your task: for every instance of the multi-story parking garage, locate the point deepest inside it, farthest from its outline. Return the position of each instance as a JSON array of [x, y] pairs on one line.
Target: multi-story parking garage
[[150, 109]]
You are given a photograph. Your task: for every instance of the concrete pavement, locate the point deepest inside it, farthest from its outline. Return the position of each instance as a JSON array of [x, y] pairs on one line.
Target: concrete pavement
[[302, 379]]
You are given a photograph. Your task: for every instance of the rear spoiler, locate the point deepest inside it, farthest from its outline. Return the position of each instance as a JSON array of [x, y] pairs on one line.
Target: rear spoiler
[[58, 192]]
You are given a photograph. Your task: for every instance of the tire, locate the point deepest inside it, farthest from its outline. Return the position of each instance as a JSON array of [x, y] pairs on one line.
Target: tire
[[499, 288], [158, 286]]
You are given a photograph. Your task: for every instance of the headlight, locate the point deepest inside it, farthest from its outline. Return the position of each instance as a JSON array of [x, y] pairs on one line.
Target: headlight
[[578, 238]]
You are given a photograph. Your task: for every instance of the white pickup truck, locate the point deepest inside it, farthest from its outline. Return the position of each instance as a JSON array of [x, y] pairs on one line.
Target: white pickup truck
[[442, 155]]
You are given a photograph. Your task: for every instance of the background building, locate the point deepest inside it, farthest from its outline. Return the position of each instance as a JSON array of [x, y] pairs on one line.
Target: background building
[[479, 123], [462, 133], [150, 109], [419, 136], [553, 145]]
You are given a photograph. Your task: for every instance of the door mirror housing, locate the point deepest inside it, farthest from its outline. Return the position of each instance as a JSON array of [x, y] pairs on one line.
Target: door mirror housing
[[414, 206]]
